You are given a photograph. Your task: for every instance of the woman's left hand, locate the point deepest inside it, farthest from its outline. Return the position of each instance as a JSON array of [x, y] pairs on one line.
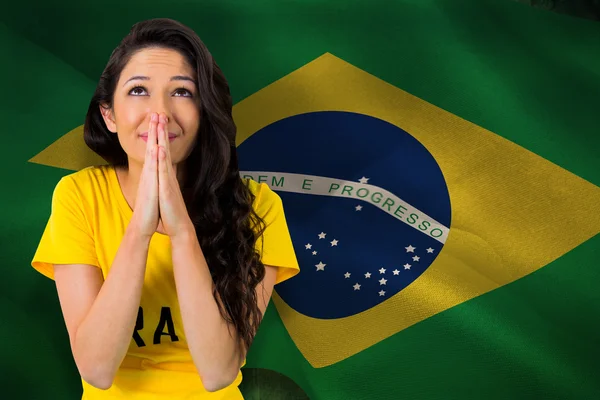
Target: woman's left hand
[[174, 217]]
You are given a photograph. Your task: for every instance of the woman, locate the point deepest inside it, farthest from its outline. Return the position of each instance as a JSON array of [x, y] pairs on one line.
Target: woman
[[165, 259]]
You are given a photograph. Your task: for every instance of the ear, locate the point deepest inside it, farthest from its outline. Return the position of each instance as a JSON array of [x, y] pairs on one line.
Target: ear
[[109, 118]]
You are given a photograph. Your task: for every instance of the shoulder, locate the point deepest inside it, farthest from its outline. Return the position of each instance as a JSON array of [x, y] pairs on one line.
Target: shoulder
[[81, 188], [265, 198], [275, 243], [82, 180], [88, 174]]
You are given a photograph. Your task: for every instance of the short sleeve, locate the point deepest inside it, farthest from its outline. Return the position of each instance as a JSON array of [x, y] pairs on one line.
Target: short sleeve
[[278, 250], [67, 237]]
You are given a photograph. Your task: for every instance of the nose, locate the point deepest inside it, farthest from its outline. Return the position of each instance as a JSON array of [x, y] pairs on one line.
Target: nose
[[158, 115], [160, 106]]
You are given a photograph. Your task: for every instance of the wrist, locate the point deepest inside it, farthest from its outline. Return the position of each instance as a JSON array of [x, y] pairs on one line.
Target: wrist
[[134, 232], [186, 235]]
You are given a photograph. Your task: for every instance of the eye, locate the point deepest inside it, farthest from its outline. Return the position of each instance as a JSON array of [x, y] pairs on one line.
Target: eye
[[135, 89], [186, 92], [179, 92]]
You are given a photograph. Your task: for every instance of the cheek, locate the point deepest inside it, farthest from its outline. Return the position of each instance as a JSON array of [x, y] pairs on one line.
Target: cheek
[[130, 116], [189, 120], [189, 115]]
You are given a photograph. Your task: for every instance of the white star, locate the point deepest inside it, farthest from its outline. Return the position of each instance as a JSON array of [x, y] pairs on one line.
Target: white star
[[382, 293], [382, 271], [334, 243], [416, 258], [347, 275], [320, 266], [410, 249], [322, 235], [358, 208], [382, 281], [308, 246], [368, 275], [396, 272], [357, 287], [363, 180], [406, 266], [430, 250], [314, 253]]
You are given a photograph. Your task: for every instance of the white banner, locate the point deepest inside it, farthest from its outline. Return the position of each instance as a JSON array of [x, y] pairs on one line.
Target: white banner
[[378, 197]]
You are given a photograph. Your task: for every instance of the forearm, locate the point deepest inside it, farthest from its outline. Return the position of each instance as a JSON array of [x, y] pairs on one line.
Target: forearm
[[104, 336], [211, 340]]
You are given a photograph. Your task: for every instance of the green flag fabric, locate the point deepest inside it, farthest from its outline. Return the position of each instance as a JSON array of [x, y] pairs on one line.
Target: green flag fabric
[[499, 98]]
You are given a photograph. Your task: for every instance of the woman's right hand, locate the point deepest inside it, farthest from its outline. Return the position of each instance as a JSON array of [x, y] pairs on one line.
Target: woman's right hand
[[146, 211]]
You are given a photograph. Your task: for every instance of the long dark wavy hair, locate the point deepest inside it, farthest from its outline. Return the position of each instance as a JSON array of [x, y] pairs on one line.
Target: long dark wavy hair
[[217, 199]]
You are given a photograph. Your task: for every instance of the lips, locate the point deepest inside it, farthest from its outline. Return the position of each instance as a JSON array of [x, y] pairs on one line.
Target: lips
[[172, 136]]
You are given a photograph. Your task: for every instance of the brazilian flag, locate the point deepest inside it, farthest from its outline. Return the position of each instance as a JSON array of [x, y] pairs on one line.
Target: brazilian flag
[[439, 162]]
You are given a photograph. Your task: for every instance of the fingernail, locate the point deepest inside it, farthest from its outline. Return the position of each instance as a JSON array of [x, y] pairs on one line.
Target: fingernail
[[153, 117]]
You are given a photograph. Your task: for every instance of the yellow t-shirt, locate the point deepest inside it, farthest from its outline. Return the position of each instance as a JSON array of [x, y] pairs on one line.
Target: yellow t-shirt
[[87, 222]]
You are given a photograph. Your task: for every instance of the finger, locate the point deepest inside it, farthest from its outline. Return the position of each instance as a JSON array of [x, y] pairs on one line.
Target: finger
[[162, 131], [153, 165], [152, 131], [167, 141], [163, 172], [163, 134], [162, 144], [151, 141]]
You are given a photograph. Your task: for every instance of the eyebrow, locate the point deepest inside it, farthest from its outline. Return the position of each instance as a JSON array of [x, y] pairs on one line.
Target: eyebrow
[[173, 78]]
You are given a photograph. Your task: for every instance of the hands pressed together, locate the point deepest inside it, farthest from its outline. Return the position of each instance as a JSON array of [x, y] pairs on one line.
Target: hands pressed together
[[159, 205]]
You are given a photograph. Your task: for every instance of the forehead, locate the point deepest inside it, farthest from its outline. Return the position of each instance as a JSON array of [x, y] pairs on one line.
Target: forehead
[[156, 61]]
